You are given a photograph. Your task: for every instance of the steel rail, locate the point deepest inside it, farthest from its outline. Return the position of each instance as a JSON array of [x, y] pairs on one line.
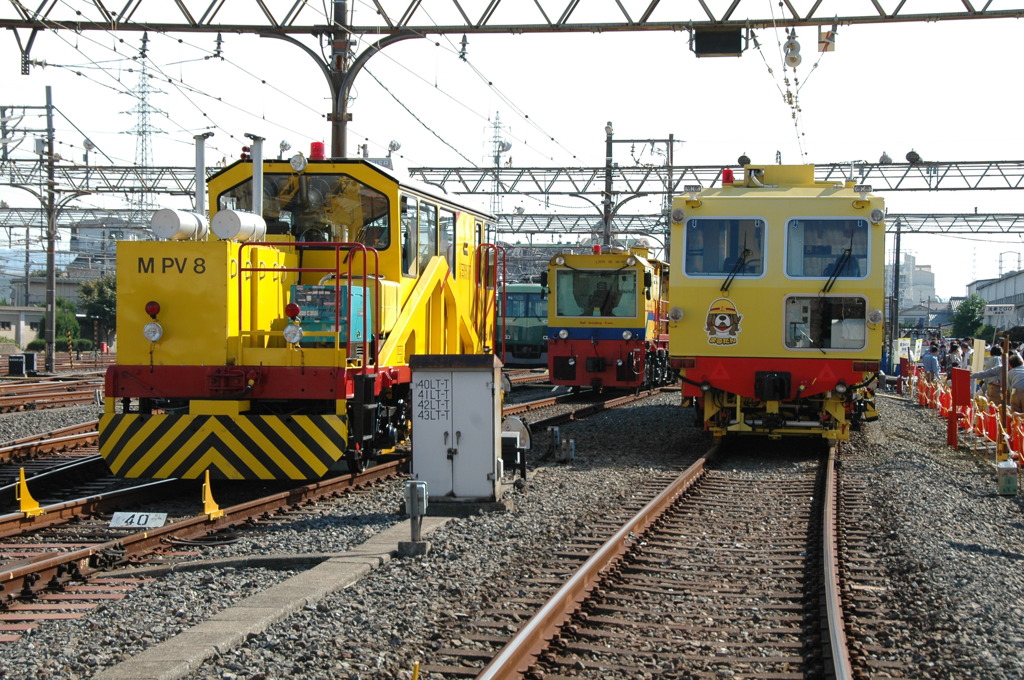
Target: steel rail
[[8, 388], [528, 378], [59, 440], [17, 523], [833, 597], [44, 400], [526, 406], [516, 657], [53, 571], [590, 409]]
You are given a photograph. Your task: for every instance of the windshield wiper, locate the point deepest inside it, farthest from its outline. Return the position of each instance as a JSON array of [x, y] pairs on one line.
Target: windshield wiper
[[736, 269], [813, 343], [840, 265]]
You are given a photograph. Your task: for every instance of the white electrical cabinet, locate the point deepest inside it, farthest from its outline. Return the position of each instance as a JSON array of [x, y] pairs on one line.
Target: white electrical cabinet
[[456, 425]]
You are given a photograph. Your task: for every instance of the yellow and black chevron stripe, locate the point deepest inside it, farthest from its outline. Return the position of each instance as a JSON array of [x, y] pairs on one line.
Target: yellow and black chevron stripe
[[231, 447]]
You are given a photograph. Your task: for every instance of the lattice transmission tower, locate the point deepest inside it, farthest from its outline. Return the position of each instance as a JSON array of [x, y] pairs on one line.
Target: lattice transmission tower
[[144, 128]]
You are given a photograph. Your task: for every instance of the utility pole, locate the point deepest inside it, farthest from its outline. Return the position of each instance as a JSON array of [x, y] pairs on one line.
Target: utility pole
[[606, 204], [499, 145], [340, 82], [894, 325], [51, 237]]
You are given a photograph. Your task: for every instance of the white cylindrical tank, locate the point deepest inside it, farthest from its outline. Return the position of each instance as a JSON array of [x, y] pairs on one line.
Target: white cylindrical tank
[[178, 225], [236, 225]]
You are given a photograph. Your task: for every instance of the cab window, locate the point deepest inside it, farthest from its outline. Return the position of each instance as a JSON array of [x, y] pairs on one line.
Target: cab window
[[596, 293], [318, 207], [410, 231], [427, 233], [826, 247], [524, 304], [447, 234], [822, 323], [724, 246]]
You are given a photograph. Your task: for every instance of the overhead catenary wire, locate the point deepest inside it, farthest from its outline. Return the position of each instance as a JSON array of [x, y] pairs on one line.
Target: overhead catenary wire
[[184, 87], [461, 100], [121, 88]]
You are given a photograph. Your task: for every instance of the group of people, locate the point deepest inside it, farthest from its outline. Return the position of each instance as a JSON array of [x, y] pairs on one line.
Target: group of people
[[940, 359]]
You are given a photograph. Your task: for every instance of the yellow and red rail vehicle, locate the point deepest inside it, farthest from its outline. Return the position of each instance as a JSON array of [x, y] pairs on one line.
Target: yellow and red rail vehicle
[[607, 319], [776, 302], [278, 346]]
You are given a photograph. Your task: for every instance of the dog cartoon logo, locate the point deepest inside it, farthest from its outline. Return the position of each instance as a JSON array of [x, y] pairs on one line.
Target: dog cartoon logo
[[723, 324]]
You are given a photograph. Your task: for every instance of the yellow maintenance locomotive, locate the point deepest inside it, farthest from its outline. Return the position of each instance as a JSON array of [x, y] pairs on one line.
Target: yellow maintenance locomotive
[[278, 346], [775, 318]]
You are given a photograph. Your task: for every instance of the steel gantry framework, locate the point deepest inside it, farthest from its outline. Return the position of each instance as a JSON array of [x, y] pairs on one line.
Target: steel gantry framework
[[385, 22], [649, 180], [543, 182], [383, 17], [655, 226], [654, 182], [657, 180]]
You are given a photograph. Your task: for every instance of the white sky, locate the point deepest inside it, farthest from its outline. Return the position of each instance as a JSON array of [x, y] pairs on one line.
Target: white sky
[[946, 89]]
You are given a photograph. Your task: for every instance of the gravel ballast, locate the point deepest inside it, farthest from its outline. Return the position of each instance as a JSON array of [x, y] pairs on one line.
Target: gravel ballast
[[949, 552]]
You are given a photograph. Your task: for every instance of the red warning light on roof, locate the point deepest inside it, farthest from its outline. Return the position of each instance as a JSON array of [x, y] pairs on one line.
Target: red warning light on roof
[[727, 176], [316, 151]]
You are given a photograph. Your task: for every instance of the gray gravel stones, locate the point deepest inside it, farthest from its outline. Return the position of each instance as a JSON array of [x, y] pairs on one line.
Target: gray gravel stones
[[27, 423], [950, 556]]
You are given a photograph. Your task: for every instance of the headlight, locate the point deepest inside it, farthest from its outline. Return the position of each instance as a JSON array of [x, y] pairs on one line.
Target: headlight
[[627, 335], [630, 261], [840, 387], [293, 333], [559, 260], [153, 331], [572, 361], [675, 314], [875, 316], [563, 334]]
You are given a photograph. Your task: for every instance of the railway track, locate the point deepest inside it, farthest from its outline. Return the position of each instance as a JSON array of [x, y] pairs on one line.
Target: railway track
[[63, 439], [549, 411], [526, 377], [24, 395], [729, 569], [54, 567], [64, 365]]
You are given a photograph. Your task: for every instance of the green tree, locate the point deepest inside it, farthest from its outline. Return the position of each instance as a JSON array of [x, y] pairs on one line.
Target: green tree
[[67, 322], [99, 302], [968, 317]]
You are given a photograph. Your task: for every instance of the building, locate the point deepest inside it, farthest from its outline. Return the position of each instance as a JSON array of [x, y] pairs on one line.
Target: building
[[917, 282], [69, 281], [1007, 290], [19, 324]]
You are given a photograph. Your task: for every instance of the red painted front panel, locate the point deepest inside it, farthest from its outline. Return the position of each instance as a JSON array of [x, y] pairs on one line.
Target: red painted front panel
[[736, 375], [232, 382], [631, 353]]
